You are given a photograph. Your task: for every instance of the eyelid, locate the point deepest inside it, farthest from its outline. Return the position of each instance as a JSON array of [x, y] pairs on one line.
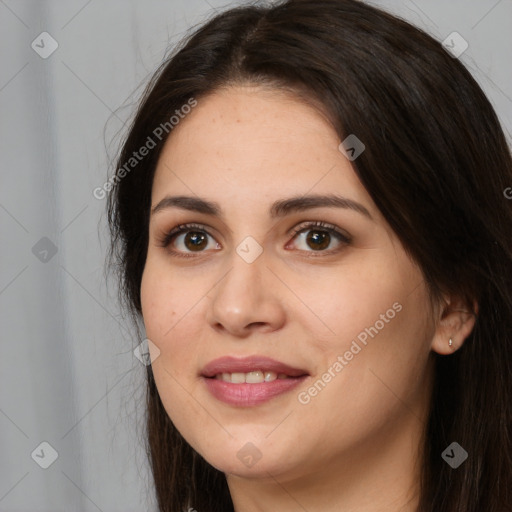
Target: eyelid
[[343, 237], [326, 226], [165, 239]]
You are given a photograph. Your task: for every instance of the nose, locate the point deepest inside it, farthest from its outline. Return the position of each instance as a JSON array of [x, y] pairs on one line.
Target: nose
[[246, 299]]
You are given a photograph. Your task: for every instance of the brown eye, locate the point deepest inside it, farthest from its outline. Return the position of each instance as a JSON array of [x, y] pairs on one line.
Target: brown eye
[[319, 236], [195, 240], [188, 238], [318, 239]]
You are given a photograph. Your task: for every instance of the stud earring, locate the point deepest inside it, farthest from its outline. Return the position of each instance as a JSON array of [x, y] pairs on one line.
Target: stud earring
[[450, 343]]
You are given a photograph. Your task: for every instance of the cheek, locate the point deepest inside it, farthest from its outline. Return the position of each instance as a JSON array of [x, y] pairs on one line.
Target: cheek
[[353, 298], [169, 307], [378, 323], [388, 344], [166, 312], [174, 310], [158, 310], [165, 299], [377, 383]]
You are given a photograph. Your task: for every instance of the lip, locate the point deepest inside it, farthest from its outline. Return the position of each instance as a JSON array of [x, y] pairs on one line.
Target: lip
[[249, 395], [230, 364]]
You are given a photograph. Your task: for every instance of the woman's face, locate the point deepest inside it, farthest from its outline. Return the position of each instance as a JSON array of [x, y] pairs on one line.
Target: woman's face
[[345, 317]]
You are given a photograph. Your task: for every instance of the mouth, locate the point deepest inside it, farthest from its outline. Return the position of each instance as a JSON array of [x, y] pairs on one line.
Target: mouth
[[254, 377], [254, 370], [249, 381]]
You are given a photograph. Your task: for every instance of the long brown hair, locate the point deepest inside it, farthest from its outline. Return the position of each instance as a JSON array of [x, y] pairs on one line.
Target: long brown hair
[[436, 164]]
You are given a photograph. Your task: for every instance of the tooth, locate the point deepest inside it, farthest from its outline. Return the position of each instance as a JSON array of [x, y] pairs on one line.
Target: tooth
[[238, 378], [254, 377]]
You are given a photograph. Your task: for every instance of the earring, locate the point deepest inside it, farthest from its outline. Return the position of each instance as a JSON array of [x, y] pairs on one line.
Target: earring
[[450, 343]]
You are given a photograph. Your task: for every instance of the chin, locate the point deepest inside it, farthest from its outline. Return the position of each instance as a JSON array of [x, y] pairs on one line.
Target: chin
[[247, 459]]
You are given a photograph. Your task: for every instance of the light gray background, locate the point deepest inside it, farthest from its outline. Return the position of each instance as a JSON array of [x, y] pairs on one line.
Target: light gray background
[[68, 373]]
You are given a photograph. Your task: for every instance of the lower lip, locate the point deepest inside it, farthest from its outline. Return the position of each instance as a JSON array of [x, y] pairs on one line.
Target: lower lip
[[248, 395]]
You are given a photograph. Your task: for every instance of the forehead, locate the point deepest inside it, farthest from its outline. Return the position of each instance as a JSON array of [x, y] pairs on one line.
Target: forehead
[[234, 120], [254, 143]]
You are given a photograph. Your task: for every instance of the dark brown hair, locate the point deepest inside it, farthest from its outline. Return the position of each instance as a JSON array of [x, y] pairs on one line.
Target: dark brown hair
[[436, 164]]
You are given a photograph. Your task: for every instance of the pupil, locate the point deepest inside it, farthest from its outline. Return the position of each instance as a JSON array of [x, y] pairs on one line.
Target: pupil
[[319, 236], [196, 238]]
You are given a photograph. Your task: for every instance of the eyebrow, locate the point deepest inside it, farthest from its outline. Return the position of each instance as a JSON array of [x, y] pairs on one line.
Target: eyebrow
[[279, 208]]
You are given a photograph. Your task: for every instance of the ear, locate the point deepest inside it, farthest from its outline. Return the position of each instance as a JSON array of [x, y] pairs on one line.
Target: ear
[[455, 320]]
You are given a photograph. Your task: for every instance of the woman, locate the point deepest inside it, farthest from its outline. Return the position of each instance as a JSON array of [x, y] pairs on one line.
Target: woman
[[309, 216]]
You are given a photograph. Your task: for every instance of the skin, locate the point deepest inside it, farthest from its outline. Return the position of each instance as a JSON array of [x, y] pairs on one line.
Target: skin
[[355, 445]]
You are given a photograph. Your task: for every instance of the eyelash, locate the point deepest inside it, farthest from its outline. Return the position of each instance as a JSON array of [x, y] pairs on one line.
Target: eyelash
[[184, 228]]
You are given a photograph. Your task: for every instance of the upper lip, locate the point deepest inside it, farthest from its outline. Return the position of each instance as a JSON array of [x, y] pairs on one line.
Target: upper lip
[[231, 364]]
